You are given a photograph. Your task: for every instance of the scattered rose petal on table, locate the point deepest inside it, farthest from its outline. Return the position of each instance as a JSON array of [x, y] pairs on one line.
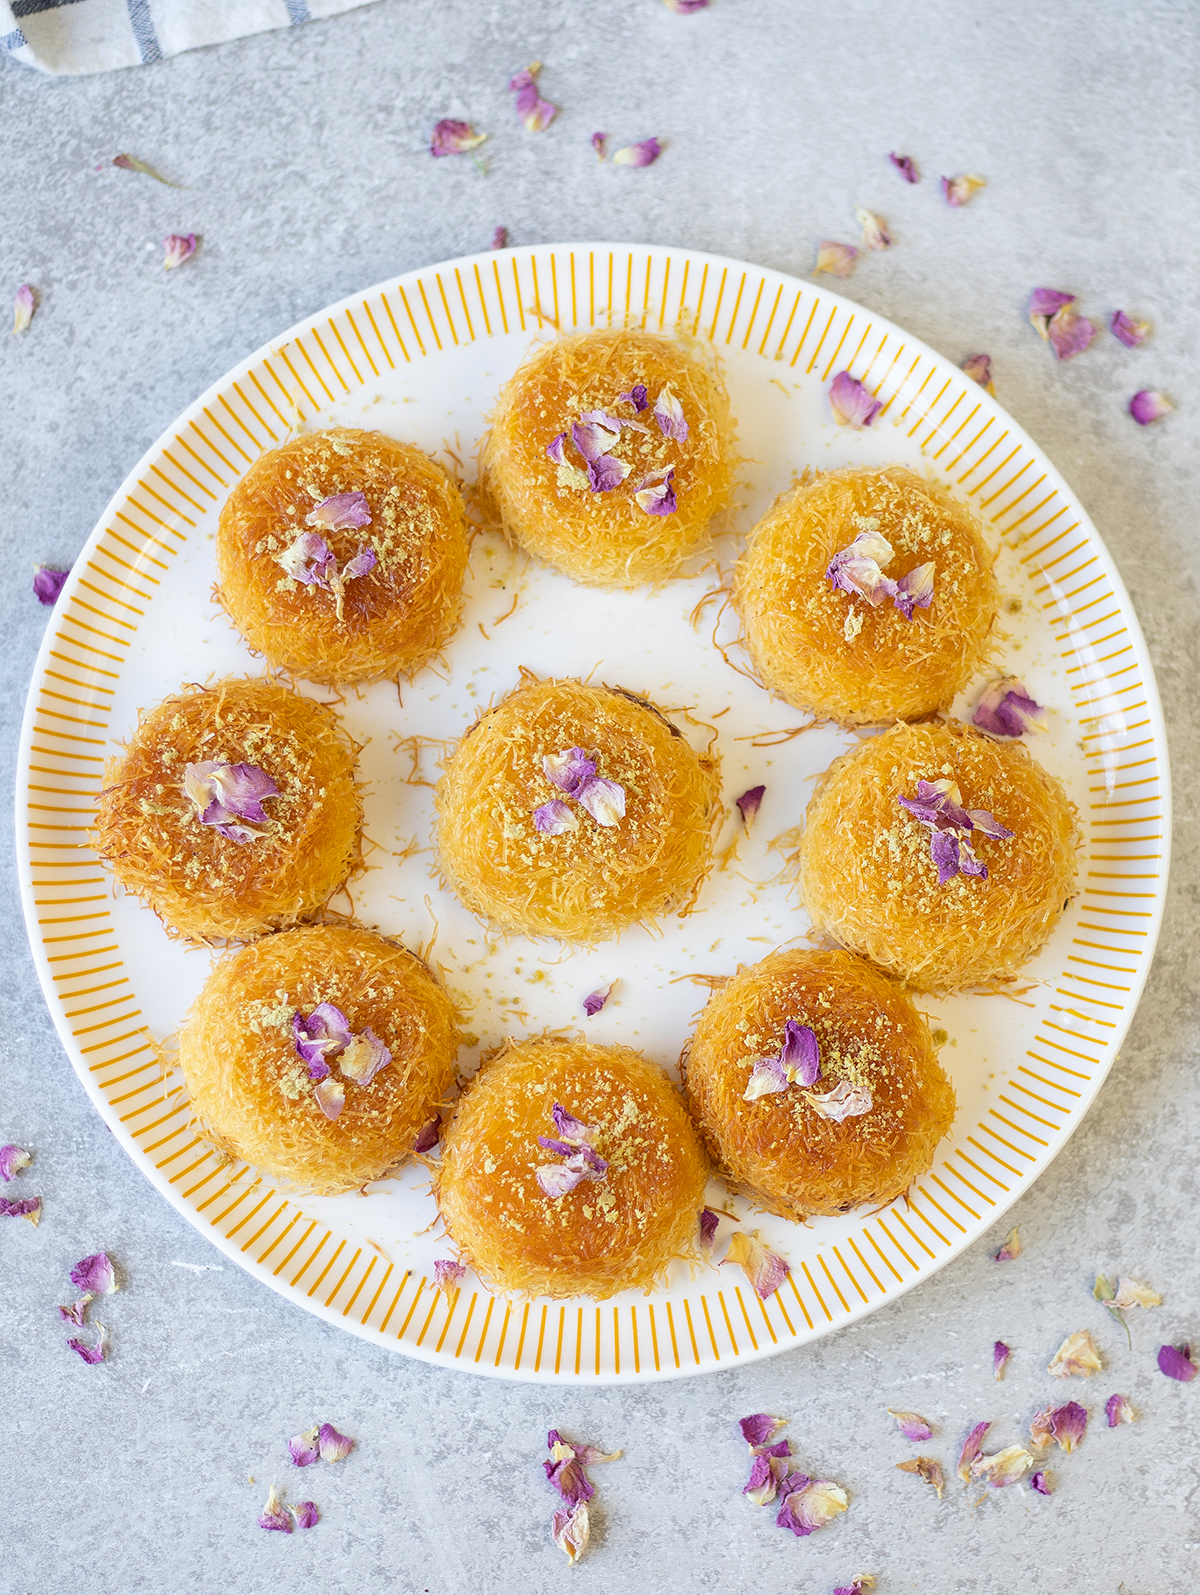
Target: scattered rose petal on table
[[1176, 1362], [685, 8], [334, 1447], [928, 1469], [979, 368], [1131, 332], [852, 404], [906, 166], [760, 1428], [1011, 1247], [1000, 1355], [572, 1530], [643, 154], [1065, 1425], [24, 305], [97, 1274], [958, 190], [595, 1000], [536, 113], [274, 1515], [1069, 333], [130, 163], [1117, 1410], [1044, 305], [1132, 1293], [749, 803], [76, 1313], [862, 1582], [29, 1207], [178, 248], [1040, 1483], [451, 137], [303, 1448], [307, 1516], [911, 1425], [836, 259], [48, 584], [970, 1450], [92, 1354], [599, 140], [810, 1505], [1149, 405], [875, 233], [499, 239], [1002, 1468], [1076, 1355], [12, 1160]]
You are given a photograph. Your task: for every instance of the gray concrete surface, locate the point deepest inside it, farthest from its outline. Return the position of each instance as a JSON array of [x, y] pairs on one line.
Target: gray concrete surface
[[306, 175]]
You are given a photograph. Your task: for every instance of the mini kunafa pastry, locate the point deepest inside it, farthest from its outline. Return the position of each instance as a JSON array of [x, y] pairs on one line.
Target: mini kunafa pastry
[[319, 1055], [574, 811], [815, 1082], [609, 454], [232, 810], [866, 596], [941, 854], [342, 556], [570, 1169]]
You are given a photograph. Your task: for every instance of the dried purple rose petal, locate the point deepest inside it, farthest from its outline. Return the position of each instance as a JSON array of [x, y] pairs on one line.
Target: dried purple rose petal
[[958, 190], [308, 560], [604, 800], [571, 1531], [810, 1505], [448, 1274], [979, 368], [1149, 405], [307, 1516], [223, 794], [852, 404], [570, 1128], [29, 1207], [708, 1230], [862, 1582], [763, 1484], [928, 1469], [555, 449], [686, 8], [1069, 333], [1044, 305], [606, 473], [1002, 1468], [429, 1136], [844, 1102], [765, 1269], [499, 239], [130, 163], [643, 154], [766, 1079], [555, 817], [906, 166], [636, 396], [1176, 1362], [76, 1313], [178, 248], [599, 140], [48, 583], [575, 774], [536, 113], [668, 412], [331, 1097], [858, 568], [1000, 1355], [915, 591], [912, 1426], [303, 1448], [1117, 1410], [340, 512], [334, 1447], [24, 305], [1076, 1355], [324, 1034], [760, 1428], [275, 1516], [874, 229], [1066, 1425], [1040, 1483], [454, 138], [364, 1058], [97, 1274], [92, 1354], [1007, 710], [749, 803], [12, 1160], [800, 1055], [657, 497], [565, 1473], [1011, 1247], [1131, 332], [970, 1451], [595, 1000], [837, 259]]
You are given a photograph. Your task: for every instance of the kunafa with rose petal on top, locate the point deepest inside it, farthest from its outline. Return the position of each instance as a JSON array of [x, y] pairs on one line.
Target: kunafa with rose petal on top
[[575, 811], [570, 1169], [943, 855], [866, 596], [342, 556], [319, 1055], [232, 810], [610, 453], [816, 1085]]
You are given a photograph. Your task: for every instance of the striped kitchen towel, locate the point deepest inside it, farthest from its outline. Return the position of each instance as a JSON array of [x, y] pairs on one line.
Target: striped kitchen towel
[[77, 36]]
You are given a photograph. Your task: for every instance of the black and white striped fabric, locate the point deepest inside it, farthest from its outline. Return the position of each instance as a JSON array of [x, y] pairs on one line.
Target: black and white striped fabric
[[72, 37]]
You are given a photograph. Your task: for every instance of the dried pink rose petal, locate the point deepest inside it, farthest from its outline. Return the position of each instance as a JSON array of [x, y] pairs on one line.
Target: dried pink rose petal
[[750, 802], [324, 1034], [575, 774], [92, 1354], [595, 1000], [555, 817], [643, 154], [1002, 1468], [1007, 710], [97, 1274], [275, 1516], [958, 190], [47, 583], [178, 248], [862, 1582], [308, 560], [844, 1102], [685, 8], [607, 472], [1070, 333], [915, 591], [837, 259], [852, 404], [668, 412], [858, 568], [1044, 305], [364, 1057], [1176, 1362], [938, 806], [429, 1136], [340, 512], [307, 1516], [1000, 1355], [929, 1470], [911, 1425], [810, 1505], [1011, 1247], [798, 1061], [331, 1097], [769, 1468], [29, 1207], [657, 497], [637, 396], [76, 1313], [1117, 1410], [1131, 333], [599, 140], [906, 166], [1132, 1293], [536, 113], [303, 1448], [448, 1274], [765, 1269], [1065, 1424], [12, 1160], [454, 138], [979, 368], [1149, 405], [130, 163], [1040, 1483], [24, 305], [709, 1222], [760, 1428], [970, 1451], [499, 239], [874, 229], [223, 794], [334, 1447], [571, 1530], [1076, 1355]]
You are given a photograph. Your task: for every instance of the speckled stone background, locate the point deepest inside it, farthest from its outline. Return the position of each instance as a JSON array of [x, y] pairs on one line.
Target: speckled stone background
[[303, 155]]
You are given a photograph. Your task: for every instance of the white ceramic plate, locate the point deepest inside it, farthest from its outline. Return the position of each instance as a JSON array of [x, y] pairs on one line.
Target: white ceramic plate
[[422, 358]]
